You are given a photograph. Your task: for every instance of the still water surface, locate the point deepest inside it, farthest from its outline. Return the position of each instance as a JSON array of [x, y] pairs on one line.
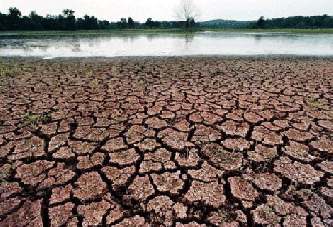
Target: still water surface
[[205, 43]]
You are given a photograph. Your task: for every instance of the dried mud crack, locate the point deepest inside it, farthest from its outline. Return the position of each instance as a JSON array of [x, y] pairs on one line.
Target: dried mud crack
[[166, 142]]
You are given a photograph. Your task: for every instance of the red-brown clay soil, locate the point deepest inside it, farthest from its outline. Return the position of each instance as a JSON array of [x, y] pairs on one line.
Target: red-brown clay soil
[[166, 142]]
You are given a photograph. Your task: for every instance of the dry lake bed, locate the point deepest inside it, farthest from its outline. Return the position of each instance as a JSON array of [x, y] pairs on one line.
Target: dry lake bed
[[175, 141]]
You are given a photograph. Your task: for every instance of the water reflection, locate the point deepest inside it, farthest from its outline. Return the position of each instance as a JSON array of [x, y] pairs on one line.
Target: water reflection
[[150, 37], [76, 47], [257, 37], [206, 43], [189, 38], [93, 42], [126, 38]]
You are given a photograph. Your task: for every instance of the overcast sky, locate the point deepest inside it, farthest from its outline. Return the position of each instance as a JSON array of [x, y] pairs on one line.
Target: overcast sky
[[140, 10]]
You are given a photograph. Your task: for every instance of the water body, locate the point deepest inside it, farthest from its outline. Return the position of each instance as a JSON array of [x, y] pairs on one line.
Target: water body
[[204, 43]]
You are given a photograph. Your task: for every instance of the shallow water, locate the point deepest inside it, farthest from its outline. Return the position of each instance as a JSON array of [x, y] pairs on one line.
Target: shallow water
[[205, 43]]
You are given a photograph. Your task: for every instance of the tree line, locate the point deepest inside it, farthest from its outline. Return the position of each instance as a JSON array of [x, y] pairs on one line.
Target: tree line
[[68, 22], [298, 22], [301, 22]]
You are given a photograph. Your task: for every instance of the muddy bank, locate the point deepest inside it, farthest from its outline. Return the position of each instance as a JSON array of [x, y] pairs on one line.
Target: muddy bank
[[166, 142]]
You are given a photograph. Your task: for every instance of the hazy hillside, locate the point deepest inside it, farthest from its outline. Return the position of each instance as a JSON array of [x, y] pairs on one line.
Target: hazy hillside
[[224, 24]]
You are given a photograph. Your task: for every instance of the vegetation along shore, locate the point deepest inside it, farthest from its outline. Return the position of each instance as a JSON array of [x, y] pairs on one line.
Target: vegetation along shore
[[160, 31]]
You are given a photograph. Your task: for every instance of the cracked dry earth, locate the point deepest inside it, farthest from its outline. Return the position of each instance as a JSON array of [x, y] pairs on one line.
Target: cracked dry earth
[[166, 142]]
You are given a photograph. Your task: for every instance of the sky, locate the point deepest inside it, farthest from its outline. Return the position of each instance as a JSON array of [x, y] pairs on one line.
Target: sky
[[164, 10]]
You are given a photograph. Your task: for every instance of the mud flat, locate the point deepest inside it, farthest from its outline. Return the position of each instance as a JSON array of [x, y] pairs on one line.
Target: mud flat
[[166, 142]]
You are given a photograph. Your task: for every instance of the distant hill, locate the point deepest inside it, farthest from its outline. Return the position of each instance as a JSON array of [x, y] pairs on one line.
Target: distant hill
[[224, 24]]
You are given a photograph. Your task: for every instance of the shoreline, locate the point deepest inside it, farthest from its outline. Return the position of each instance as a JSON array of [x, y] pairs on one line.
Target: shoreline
[[161, 31], [204, 57]]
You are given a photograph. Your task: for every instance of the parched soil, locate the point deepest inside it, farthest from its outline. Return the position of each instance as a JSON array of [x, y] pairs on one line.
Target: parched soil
[[166, 142]]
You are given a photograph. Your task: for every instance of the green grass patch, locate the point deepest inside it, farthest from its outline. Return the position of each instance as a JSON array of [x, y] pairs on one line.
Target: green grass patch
[[8, 69], [315, 103], [32, 120], [3, 173]]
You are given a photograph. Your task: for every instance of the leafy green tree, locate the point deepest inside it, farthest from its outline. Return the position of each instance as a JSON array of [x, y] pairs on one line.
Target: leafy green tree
[[3, 20], [90, 23], [35, 21], [261, 22], [104, 24], [68, 12], [14, 12], [130, 23], [122, 24], [14, 18], [152, 24], [70, 19], [149, 22]]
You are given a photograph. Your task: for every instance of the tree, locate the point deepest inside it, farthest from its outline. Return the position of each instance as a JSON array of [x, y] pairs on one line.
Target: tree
[[68, 12], [152, 24], [3, 20], [87, 23], [149, 22], [130, 22], [33, 15], [188, 12], [70, 19], [35, 21], [122, 23], [123, 20], [104, 24], [261, 22], [14, 12], [14, 18]]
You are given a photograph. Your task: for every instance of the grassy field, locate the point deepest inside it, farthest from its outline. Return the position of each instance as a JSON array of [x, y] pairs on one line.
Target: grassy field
[[163, 31]]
